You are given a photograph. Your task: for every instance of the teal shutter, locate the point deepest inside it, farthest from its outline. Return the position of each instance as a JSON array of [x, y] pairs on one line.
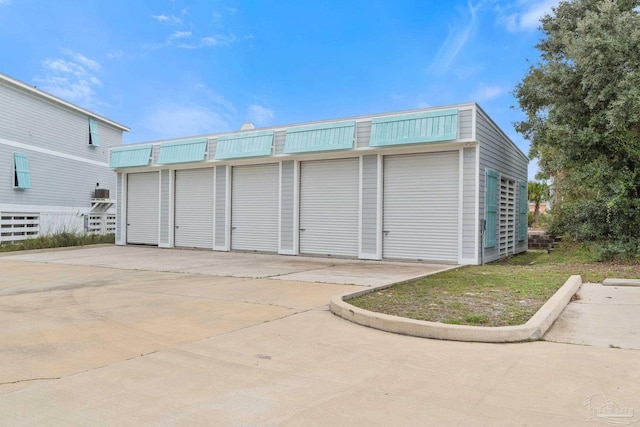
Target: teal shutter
[[21, 168], [183, 151], [126, 157], [94, 138], [524, 207], [491, 208]]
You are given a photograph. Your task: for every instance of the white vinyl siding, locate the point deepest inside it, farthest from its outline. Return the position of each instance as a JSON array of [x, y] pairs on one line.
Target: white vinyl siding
[[254, 207], [142, 208], [287, 207], [194, 208], [329, 207], [420, 219], [501, 155]]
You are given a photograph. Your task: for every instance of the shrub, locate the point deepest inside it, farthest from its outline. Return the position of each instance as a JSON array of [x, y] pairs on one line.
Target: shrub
[[57, 240]]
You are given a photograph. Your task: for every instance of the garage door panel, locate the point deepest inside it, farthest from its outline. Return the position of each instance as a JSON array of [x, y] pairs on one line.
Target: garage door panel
[[194, 208], [254, 207], [421, 206], [329, 207], [143, 204]]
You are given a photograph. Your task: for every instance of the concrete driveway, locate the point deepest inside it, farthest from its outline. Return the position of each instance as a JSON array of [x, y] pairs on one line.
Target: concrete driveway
[[128, 336]]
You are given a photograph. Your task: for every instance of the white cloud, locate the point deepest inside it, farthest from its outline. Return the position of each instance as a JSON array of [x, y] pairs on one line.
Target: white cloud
[[525, 15], [458, 37], [72, 78], [260, 115], [486, 92], [175, 121], [180, 34], [212, 41], [169, 19]]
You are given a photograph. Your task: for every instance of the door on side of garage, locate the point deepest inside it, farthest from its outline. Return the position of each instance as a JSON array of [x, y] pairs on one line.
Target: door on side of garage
[[143, 204], [329, 207], [420, 216], [193, 211], [254, 207]]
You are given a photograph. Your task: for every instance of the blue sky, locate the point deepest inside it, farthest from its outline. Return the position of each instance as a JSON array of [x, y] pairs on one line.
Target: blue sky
[[175, 68]]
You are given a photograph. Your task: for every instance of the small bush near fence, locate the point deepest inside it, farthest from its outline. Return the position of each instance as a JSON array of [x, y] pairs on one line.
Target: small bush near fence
[[58, 240]]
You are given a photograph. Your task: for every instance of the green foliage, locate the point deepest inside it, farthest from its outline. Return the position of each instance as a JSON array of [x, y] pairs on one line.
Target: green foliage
[[582, 101], [538, 192], [58, 240]]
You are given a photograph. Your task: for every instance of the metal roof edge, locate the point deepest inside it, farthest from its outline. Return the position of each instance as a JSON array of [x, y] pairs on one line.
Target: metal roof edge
[[35, 91], [468, 105]]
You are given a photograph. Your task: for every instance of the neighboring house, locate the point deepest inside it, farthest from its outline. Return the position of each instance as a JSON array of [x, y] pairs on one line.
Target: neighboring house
[[414, 185], [53, 156], [544, 207]]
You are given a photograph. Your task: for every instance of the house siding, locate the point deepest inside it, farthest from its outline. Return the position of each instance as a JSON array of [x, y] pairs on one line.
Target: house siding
[[363, 134], [469, 249], [287, 206], [498, 153], [63, 167], [220, 207], [119, 207], [369, 203], [465, 124], [28, 119], [165, 206]]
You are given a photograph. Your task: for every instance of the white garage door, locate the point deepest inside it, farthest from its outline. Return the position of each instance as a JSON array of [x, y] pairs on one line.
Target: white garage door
[[421, 206], [143, 204], [194, 208], [329, 207], [254, 207]]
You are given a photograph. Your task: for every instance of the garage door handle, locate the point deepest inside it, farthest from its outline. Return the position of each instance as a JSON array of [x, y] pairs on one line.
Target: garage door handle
[[176, 226], [386, 233], [233, 228], [128, 224], [303, 229]]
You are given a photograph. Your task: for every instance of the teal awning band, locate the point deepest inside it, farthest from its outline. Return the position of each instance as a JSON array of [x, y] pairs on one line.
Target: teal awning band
[[21, 164], [94, 137], [183, 151], [325, 137], [126, 157], [253, 144], [415, 128]]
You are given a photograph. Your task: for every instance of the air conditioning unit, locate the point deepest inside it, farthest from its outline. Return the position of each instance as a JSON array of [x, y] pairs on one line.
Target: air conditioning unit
[[101, 193]]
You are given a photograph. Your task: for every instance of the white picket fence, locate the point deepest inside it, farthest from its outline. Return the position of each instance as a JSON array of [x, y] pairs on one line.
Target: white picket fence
[[101, 223], [18, 226]]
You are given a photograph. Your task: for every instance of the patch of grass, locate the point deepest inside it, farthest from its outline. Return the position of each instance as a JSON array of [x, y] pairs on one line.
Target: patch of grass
[[57, 240], [503, 293]]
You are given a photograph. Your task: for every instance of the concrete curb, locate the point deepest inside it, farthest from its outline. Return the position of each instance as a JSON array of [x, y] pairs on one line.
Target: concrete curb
[[59, 249], [533, 330], [621, 282]]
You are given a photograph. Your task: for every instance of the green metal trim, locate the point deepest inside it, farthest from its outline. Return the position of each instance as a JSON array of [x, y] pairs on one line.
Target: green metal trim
[[126, 157], [253, 144], [94, 136], [324, 137], [491, 208], [183, 151], [416, 128], [523, 210], [21, 169]]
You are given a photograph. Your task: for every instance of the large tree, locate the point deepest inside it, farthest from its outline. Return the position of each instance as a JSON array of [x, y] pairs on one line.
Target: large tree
[[582, 102]]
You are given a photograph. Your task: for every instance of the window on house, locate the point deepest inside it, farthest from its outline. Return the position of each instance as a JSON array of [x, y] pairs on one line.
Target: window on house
[[94, 138], [21, 178]]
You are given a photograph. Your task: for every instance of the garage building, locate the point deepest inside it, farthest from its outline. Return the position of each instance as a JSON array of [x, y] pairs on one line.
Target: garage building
[[438, 184]]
